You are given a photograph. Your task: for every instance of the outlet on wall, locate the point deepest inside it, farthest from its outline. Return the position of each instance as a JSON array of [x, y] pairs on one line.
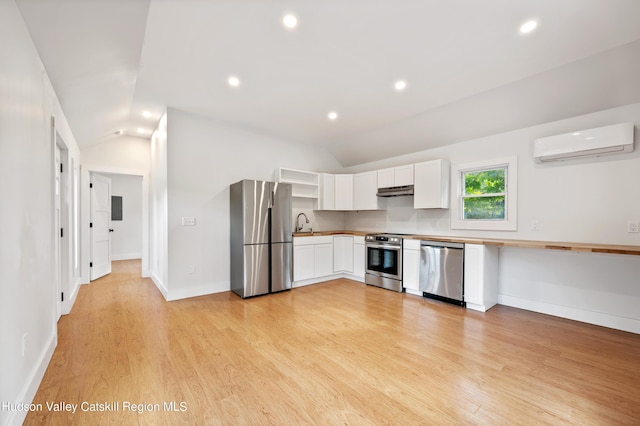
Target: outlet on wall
[[188, 221], [632, 226], [535, 225]]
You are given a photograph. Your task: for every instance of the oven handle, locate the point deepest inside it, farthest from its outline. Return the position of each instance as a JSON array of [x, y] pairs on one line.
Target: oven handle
[[384, 246]]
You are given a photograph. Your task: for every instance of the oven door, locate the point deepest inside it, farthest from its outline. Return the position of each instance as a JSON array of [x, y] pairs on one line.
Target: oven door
[[384, 260]]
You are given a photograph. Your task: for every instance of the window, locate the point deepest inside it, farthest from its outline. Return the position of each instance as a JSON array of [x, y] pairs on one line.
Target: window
[[484, 194], [487, 194]]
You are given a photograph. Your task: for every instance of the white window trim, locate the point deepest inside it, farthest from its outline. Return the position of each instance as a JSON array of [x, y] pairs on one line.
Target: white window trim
[[510, 223]]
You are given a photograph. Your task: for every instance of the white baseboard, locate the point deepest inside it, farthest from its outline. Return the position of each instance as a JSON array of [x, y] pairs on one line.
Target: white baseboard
[[126, 256], [591, 317], [310, 281], [159, 284], [32, 383], [68, 304], [201, 290]]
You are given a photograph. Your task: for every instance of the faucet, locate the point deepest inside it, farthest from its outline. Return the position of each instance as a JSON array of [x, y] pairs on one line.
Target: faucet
[[299, 227]]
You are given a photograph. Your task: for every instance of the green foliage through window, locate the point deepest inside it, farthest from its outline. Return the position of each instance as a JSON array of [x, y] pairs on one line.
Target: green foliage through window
[[484, 194]]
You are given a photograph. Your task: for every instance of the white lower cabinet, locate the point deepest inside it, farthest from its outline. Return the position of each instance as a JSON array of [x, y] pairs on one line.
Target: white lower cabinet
[[343, 253], [411, 266], [358, 257], [312, 257], [480, 276], [327, 257], [323, 260], [304, 263]]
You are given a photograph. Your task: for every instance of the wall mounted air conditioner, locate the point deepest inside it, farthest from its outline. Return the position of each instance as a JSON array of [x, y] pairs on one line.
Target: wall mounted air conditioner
[[612, 139]]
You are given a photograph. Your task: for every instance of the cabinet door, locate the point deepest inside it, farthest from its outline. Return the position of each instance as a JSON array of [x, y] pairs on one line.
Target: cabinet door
[[386, 178], [480, 276], [342, 254], [348, 254], [323, 260], [344, 192], [358, 260], [431, 186], [403, 175], [327, 198], [338, 253], [303, 262], [365, 187], [411, 269]]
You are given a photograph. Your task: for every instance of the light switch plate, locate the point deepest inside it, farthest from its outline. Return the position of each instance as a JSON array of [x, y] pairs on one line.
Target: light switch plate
[[188, 221]]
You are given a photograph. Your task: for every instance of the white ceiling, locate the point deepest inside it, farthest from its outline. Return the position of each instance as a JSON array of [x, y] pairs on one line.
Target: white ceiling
[[470, 73]]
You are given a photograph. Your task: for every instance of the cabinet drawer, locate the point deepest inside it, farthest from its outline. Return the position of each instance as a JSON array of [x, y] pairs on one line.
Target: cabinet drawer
[[411, 244], [305, 241]]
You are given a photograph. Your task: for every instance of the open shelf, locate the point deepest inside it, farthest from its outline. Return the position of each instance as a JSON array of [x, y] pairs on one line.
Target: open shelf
[[304, 184]]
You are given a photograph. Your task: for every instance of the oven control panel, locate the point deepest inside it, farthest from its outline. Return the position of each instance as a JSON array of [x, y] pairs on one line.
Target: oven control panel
[[388, 239]]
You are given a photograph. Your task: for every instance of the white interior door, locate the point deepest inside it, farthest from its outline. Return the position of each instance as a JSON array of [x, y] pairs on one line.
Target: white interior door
[[57, 235], [100, 226]]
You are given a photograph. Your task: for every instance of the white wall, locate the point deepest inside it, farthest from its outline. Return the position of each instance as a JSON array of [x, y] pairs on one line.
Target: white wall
[[587, 200], [158, 225], [203, 159], [126, 239], [28, 290], [123, 155], [318, 220], [597, 288], [579, 201]]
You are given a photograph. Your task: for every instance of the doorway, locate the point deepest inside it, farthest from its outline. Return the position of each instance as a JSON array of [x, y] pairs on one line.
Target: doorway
[[65, 225], [142, 251]]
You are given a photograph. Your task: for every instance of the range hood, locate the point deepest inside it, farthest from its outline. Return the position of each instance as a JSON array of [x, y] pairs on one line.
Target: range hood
[[395, 191]]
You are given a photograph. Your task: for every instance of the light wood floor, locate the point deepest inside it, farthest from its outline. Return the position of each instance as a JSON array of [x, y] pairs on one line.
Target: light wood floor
[[332, 353]]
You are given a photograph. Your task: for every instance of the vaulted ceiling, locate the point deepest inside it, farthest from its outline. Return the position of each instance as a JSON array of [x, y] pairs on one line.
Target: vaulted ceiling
[[469, 71]]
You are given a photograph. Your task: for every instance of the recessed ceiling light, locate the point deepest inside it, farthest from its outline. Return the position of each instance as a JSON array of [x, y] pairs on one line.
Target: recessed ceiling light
[[290, 21], [233, 81], [146, 114], [576, 134], [141, 130], [528, 26], [332, 115], [400, 85]]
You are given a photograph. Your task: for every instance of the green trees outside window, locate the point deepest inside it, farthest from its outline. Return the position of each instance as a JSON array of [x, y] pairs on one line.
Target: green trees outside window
[[484, 194]]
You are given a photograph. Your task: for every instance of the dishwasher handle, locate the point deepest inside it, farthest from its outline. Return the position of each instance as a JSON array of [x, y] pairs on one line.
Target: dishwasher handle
[[442, 244]]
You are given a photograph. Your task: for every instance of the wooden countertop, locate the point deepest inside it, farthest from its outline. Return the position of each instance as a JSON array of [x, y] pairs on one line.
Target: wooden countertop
[[550, 245], [325, 233]]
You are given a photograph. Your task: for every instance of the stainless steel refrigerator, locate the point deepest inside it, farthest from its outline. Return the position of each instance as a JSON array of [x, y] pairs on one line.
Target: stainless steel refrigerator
[[261, 237]]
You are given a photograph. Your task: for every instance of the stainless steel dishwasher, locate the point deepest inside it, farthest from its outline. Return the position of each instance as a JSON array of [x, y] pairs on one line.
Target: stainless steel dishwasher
[[442, 271]]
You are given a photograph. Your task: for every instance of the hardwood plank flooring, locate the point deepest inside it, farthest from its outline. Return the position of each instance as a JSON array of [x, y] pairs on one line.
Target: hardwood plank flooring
[[333, 353]]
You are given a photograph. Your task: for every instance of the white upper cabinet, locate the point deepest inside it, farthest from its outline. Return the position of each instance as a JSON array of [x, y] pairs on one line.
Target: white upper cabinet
[[386, 178], [344, 192], [395, 176], [403, 175], [327, 200], [365, 187], [431, 185]]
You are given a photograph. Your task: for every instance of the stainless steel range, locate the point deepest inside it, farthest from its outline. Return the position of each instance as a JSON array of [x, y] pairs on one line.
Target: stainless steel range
[[384, 261]]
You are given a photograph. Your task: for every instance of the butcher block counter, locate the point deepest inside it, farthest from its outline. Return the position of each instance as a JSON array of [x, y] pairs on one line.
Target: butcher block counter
[[551, 245]]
